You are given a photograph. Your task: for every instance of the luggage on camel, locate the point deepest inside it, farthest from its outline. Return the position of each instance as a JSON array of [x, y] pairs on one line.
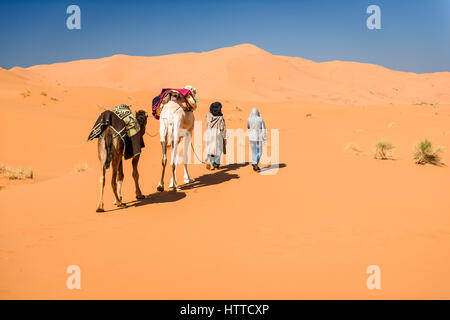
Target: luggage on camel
[[189, 103], [125, 125]]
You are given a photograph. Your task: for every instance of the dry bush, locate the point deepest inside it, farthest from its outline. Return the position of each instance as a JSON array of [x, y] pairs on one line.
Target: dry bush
[[43, 93], [383, 150], [12, 175], [426, 154], [16, 174], [27, 173]]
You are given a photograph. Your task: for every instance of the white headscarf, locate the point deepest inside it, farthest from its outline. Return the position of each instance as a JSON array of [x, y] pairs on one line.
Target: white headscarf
[[256, 127]]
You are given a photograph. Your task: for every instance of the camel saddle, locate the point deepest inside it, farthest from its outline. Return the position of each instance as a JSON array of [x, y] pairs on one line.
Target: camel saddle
[[125, 125], [189, 103]]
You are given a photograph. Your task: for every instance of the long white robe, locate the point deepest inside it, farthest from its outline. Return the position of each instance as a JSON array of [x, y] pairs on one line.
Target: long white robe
[[215, 134]]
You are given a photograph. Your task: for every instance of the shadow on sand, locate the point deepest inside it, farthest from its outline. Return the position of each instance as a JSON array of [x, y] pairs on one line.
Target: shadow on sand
[[157, 197], [215, 177], [274, 166]]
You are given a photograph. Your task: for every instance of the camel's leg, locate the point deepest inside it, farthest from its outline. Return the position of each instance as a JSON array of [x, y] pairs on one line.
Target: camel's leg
[[120, 178], [100, 206], [177, 136], [186, 151], [135, 163], [174, 161], [116, 158], [102, 157], [171, 178], [164, 163]]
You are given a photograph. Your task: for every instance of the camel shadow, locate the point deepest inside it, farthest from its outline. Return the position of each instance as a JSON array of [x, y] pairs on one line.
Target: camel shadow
[[218, 176], [215, 177], [158, 197]]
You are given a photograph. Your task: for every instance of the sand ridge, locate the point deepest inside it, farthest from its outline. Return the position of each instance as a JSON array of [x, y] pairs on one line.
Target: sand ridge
[[250, 72]]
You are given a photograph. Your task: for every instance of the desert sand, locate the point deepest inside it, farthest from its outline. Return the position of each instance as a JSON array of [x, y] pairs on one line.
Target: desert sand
[[308, 231]]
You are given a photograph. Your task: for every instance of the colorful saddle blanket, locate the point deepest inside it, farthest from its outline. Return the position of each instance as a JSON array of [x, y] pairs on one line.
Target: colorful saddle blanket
[[189, 103], [125, 125]]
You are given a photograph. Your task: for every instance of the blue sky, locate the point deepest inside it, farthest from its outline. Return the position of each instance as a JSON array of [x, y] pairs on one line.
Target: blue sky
[[415, 34]]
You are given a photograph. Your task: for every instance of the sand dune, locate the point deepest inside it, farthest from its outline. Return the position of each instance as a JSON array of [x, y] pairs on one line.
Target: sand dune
[[309, 231], [250, 72], [8, 77]]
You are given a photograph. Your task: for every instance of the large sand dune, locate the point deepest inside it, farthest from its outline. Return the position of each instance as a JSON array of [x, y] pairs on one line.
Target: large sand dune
[[252, 73], [309, 231]]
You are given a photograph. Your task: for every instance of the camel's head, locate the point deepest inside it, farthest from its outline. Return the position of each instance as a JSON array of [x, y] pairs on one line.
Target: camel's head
[[192, 89], [141, 117], [174, 96]]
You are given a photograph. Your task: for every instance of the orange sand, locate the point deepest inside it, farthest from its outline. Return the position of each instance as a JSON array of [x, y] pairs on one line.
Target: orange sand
[[310, 231]]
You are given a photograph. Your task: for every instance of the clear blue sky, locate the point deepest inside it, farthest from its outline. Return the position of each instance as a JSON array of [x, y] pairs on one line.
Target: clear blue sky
[[415, 34]]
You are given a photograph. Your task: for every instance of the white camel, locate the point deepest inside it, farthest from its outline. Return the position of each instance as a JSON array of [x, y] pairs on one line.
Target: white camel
[[176, 124]]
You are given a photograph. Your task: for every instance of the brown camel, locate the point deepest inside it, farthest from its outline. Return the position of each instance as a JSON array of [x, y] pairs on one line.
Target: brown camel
[[110, 151]]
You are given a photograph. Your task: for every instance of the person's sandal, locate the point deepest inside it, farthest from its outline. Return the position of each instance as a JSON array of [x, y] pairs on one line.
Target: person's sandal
[[208, 166]]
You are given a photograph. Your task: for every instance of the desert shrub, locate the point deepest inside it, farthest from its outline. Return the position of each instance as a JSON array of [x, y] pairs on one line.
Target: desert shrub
[[383, 150], [26, 173], [44, 93], [16, 174], [426, 154], [12, 175]]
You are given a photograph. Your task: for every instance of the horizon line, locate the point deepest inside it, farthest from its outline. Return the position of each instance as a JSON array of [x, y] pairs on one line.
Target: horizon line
[[217, 49]]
